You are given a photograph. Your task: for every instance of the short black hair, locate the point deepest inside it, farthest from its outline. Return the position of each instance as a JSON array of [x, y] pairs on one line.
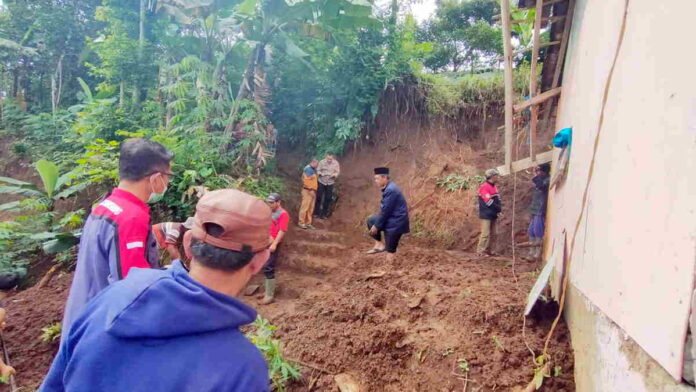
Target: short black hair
[[141, 158], [545, 167], [218, 258]]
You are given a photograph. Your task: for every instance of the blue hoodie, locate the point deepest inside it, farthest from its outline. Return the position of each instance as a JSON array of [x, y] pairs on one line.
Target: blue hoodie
[[159, 330]]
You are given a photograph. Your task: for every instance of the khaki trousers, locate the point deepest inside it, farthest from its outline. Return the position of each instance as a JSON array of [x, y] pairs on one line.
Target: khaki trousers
[[487, 238], [309, 198]]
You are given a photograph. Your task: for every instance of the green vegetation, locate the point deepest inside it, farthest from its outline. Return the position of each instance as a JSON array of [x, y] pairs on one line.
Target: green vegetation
[[279, 369], [221, 84], [51, 333], [455, 182]]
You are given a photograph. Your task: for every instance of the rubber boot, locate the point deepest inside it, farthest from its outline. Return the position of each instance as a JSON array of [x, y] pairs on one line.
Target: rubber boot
[[270, 292]]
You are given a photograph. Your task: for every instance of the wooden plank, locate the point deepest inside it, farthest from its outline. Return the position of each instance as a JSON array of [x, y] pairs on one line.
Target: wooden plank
[[520, 51], [543, 20], [546, 3], [561, 54], [507, 50], [534, 118], [526, 163], [538, 99]]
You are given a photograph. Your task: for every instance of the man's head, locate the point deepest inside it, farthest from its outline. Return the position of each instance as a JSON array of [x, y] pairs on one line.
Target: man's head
[[329, 158], [492, 176], [230, 235], [381, 176], [145, 166], [314, 163], [543, 169], [273, 200]]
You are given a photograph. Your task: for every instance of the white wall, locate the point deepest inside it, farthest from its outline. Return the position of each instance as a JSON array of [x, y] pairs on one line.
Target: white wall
[[635, 252]]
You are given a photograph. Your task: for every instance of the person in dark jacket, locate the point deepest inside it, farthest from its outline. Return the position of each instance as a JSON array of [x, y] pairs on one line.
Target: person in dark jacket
[[165, 330], [117, 235], [489, 211], [392, 219], [537, 209]]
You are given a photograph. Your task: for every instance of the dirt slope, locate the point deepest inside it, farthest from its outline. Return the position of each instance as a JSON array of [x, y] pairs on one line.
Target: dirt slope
[[404, 327]]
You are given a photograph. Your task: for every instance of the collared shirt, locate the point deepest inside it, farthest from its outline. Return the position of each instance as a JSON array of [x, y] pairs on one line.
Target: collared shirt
[[116, 238], [328, 171]]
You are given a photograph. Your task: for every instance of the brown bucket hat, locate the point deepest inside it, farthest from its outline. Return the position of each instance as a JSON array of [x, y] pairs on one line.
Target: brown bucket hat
[[245, 219]]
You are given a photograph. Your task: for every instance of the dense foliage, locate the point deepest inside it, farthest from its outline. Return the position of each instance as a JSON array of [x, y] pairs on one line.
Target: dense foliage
[[218, 82]]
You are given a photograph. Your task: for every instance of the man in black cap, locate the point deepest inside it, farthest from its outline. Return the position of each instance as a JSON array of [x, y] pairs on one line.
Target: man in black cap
[[392, 218]]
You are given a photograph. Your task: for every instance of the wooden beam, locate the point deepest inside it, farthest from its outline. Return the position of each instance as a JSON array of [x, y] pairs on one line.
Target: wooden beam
[[507, 50], [537, 99], [546, 3], [520, 51], [552, 2], [561, 54], [526, 163], [543, 20], [534, 118]]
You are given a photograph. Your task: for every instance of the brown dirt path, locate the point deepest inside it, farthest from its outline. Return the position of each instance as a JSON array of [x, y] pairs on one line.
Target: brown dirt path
[[408, 329]]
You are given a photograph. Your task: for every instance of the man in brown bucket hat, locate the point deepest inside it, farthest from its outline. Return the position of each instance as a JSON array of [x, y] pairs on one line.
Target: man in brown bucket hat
[[137, 325]]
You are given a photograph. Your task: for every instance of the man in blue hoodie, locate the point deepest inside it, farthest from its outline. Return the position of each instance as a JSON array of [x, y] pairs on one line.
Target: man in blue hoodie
[[176, 330]]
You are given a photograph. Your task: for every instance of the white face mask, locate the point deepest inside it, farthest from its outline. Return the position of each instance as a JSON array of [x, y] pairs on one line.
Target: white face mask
[[154, 196]]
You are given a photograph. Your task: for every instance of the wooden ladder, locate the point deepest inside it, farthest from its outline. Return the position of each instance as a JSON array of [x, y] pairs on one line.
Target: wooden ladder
[[535, 97]]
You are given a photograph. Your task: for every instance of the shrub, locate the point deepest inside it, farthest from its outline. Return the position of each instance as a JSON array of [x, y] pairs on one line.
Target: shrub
[[280, 369]]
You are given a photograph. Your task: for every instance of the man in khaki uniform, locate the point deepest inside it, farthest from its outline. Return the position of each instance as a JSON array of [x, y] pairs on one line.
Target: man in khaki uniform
[[328, 171]]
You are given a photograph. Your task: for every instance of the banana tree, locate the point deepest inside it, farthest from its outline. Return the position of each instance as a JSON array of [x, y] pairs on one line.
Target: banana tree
[[43, 199], [262, 24]]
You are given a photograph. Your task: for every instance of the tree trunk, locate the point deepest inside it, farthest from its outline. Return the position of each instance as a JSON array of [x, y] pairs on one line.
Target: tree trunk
[[122, 95], [141, 50], [57, 85]]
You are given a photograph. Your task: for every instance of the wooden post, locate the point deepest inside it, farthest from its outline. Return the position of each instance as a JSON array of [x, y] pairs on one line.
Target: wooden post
[[507, 51], [561, 55], [534, 118]]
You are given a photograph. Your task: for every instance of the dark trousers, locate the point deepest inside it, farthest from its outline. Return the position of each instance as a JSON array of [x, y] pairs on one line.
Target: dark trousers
[[269, 267], [391, 239], [324, 199]]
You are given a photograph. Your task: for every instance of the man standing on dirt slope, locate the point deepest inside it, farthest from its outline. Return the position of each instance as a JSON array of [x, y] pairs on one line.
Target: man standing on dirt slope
[[281, 220], [537, 209], [489, 210], [165, 330], [392, 219], [117, 235], [328, 171], [309, 194]]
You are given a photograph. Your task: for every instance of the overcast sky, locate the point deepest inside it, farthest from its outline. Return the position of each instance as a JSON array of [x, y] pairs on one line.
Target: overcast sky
[[423, 9]]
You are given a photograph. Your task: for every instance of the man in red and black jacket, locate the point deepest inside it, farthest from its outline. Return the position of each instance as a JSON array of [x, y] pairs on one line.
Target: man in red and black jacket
[[117, 235], [489, 210]]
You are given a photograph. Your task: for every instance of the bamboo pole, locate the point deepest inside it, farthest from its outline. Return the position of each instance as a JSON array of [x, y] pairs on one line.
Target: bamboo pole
[[533, 79], [507, 50], [537, 99], [561, 55]]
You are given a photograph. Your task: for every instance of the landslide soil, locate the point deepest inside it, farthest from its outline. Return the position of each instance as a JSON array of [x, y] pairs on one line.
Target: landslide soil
[[404, 326]]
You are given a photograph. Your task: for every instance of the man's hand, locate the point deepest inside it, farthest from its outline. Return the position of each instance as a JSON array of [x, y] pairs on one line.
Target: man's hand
[[273, 247], [374, 230], [6, 371]]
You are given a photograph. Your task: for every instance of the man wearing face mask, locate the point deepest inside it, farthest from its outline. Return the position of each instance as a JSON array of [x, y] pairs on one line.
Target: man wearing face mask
[[117, 235]]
